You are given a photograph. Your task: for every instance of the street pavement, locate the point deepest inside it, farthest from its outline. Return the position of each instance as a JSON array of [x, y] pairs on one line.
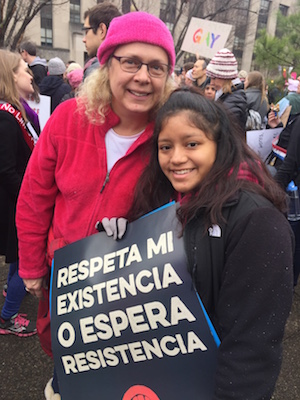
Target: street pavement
[[25, 368]]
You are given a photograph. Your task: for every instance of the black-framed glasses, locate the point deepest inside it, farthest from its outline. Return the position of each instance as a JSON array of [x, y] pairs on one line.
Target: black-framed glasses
[[133, 65], [86, 29]]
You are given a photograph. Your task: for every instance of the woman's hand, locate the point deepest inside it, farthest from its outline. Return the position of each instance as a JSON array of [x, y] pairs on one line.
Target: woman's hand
[[115, 227], [34, 286], [273, 119]]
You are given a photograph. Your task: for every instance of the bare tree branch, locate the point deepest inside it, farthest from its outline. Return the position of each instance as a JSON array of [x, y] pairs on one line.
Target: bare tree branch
[[16, 15], [134, 4]]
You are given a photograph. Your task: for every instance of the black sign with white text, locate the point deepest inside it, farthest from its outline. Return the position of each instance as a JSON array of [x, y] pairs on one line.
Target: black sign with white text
[[125, 319]]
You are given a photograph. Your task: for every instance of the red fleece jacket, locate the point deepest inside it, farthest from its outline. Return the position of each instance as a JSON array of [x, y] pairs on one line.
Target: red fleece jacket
[[63, 186]]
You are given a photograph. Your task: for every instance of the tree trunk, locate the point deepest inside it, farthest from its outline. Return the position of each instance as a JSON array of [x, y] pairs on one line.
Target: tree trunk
[[126, 6]]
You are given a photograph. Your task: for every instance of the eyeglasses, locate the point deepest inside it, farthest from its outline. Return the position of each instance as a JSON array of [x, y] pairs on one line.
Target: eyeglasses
[[133, 65], [86, 29]]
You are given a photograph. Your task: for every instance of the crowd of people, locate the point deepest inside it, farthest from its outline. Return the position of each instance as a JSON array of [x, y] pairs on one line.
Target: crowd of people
[[127, 135]]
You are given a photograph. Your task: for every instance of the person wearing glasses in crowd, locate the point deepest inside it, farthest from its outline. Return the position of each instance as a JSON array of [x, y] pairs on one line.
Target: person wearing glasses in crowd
[[96, 23], [92, 151]]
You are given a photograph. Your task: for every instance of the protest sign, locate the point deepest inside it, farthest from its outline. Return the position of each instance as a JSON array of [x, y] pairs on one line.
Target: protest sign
[[43, 109], [283, 105], [261, 141], [125, 319], [205, 37]]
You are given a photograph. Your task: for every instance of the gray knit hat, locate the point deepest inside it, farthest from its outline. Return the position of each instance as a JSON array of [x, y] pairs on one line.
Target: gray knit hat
[[56, 66], [223, 65]]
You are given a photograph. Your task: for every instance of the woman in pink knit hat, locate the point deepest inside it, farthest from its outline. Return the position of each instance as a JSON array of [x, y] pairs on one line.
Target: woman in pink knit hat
[[223, 73], [74, 78], [92, 151]]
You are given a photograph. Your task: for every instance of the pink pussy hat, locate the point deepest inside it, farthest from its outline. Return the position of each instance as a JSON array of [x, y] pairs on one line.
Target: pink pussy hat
[[293, 85], [137, 26]]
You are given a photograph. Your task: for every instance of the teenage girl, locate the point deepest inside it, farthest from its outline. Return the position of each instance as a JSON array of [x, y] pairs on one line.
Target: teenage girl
[[229, 203]]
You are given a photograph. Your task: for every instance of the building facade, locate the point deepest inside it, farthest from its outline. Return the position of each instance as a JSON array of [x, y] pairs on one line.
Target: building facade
[[257, 15]]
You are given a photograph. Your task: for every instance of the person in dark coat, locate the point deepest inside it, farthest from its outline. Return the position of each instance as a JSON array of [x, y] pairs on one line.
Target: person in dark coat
[[53, 85], [256, 94], [18, 134], [285, 159], [223, 73], [199, 73], [74, 79], [237, 240], [37, 65]]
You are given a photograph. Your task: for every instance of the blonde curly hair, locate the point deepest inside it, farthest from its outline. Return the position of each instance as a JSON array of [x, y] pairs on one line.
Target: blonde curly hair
[[94, 96]]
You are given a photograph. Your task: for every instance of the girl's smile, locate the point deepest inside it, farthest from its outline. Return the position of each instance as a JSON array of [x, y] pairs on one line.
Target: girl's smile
[[185, 153]]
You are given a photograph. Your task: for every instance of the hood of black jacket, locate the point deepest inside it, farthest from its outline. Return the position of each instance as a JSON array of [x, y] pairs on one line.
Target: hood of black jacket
[[50, 84]]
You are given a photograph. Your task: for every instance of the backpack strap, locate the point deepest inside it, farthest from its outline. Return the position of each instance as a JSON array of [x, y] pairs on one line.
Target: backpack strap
[[217, 253], [29, 134]]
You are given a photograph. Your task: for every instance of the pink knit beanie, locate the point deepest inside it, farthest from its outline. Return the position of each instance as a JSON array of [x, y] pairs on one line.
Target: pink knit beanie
[[75, 78], [293, 85], [223, 65], [137, 26]]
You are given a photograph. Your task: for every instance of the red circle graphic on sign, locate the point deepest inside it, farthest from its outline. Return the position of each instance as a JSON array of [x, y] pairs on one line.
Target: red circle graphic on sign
[[140, 392]]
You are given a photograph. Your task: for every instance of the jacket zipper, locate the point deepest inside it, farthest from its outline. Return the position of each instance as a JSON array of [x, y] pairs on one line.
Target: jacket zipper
[[192, 259], [106, 180], [194, 269]]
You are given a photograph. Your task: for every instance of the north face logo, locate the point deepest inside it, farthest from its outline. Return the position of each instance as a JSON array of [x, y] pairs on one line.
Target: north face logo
[[215, 231]]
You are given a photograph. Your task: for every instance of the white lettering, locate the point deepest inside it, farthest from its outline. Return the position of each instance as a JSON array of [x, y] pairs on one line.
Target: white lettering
[[115, 289], [96, 264], [160, 247], [179, 311], [66, 334], [139, 351], [139, 318]]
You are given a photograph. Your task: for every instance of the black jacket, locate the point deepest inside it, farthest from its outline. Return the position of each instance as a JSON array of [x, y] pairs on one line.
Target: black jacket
[[55, 87], [245, 280], [39, 72], [236, 103], [289, 168], [254, 102], [14, 155]]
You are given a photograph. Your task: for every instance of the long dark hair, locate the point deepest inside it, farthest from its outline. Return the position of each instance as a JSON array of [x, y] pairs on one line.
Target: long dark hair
[[236, 166]]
